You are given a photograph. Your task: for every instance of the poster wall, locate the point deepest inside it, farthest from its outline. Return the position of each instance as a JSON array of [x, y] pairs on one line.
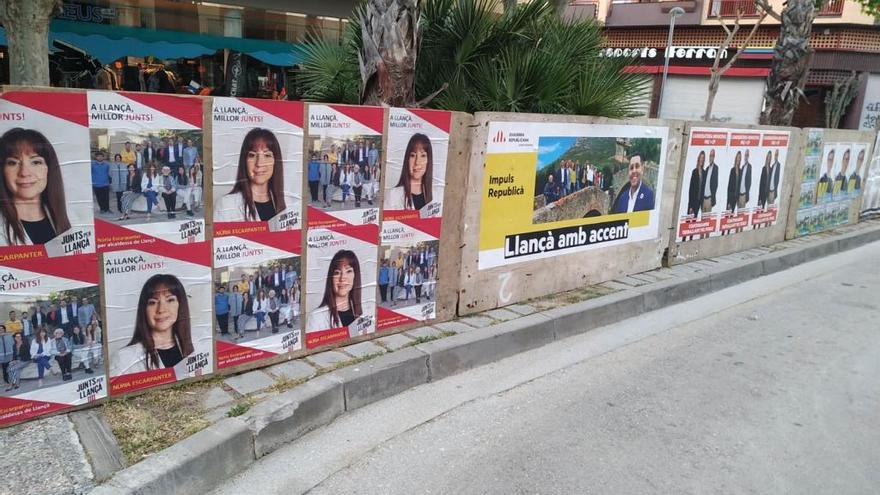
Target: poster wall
[[149, 185], [415, 176], [257, 175], [832, 180], [731, 182], [871, 200], [50, 329], [344, 146], [553, 188]]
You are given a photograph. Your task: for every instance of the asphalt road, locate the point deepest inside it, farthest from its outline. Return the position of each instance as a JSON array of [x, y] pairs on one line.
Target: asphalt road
[[772, 386]]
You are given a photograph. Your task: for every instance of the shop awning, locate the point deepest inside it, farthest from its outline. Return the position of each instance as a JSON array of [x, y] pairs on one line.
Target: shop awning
[[108, 43]]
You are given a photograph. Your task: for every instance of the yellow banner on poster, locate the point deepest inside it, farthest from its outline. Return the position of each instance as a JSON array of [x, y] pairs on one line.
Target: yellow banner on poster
[[509, 200]]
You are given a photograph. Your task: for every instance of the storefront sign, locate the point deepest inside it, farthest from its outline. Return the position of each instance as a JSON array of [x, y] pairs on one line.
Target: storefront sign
[[675, 52]]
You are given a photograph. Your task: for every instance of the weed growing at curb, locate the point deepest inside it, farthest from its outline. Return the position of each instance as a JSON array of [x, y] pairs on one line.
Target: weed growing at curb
[[240, 408], [569, 297], [155, 420], [283, 383], [429, 338]]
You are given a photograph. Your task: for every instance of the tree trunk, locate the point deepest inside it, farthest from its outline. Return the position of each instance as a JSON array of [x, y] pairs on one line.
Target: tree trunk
[[27, 32], [791, 62], [390, 31], [714, 80]]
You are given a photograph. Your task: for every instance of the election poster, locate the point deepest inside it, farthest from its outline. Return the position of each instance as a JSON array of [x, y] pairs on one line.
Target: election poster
[[554, 188], [257, 155], [344, 144], [159, 318], [340, 284], [50, 329], [415, 177], [871, 183], [257, 297], [148, 179], [732, 181]]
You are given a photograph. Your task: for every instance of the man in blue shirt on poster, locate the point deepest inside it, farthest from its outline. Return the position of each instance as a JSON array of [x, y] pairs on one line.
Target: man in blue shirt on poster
[[314, 176], [635, 195], [101, 181], [221, 308]]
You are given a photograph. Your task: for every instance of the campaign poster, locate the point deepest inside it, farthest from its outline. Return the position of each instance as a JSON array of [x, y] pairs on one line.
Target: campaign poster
[[257, 296], [257, 155], [50, 329], [732, 181], [560, 188], [871, 183], [340, 284], [415, 179], [148, 178], [159, 318], [344, 147]]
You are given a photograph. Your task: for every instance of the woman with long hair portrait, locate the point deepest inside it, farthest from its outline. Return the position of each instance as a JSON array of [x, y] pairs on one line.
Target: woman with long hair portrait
[[414, 189], [258, 193], [341, 304], [32, 205], [162, 331]]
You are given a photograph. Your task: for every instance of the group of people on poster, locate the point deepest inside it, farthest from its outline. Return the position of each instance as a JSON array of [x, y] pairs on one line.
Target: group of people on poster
[[56, 336], [410, 275], [266, 297], [167, 169], [570, 178], [349, 170]]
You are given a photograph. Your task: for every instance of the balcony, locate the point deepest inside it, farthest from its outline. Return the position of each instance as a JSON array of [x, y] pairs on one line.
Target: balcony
[[729, 8], [652, 12]]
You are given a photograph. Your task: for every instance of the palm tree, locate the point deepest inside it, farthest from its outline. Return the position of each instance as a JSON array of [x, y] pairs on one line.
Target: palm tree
[[470, 58]]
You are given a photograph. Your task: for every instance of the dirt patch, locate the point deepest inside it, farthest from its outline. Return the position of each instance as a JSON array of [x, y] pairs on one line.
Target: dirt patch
[[569, 297]]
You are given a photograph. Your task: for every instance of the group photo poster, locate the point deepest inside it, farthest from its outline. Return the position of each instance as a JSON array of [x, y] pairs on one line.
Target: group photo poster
[[343, 156], [340, 284], [871, 183], [159, 318], [560, 188], [415, 179], [732, 181], [147, 170], [50, 328], [257, 299], [257, 165]]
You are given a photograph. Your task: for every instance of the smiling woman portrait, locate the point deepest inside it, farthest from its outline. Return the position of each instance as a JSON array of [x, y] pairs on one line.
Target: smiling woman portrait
[[414, 189], [341, 304], [31, 190], [258, 193], [162, 330]]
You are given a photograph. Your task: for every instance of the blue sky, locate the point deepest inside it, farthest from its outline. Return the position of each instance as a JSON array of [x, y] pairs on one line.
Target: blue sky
[[551, 148]]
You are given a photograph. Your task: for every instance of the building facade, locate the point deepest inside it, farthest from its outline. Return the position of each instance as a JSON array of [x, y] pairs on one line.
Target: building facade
[[845, 39]]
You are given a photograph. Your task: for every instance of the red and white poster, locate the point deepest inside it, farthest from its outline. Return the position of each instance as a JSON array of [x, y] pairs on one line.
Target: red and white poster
[[147, 171], [340, 284], [257, 174], [732, 181], [159, 317], [415, 175], [50, 329], [346, 144]]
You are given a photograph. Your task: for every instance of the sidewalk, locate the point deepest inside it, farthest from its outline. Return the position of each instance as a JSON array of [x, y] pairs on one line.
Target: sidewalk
[[252, 414]]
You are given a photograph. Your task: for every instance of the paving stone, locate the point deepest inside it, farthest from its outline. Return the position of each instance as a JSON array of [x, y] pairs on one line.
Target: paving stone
[[250, 382], [523, 309], [216, 397], [645, 277], [501, 314], [632, 282], [363, 349], [663, 273], [424, 332], [611, 284], [454, 326], [293, 370], [396, 341], [477, 321], [328, 359], [217, 414]]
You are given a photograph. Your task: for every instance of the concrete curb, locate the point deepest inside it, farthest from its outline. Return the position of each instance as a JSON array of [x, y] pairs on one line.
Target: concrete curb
[[201, 462]]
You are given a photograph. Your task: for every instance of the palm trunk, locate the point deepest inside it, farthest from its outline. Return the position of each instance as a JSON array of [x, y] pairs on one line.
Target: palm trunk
[[791, 62], [388, 55], [27, 32]]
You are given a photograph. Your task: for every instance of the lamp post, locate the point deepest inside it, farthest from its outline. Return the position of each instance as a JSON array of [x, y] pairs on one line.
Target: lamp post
[[674, 13]]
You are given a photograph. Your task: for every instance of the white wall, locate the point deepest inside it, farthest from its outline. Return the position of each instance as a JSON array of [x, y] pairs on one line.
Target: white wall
[[738, 99]]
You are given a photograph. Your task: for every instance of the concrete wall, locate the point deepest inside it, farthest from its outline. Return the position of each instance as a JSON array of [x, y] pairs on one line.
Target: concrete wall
[[500, 286], [828, 136], [685, 251]]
